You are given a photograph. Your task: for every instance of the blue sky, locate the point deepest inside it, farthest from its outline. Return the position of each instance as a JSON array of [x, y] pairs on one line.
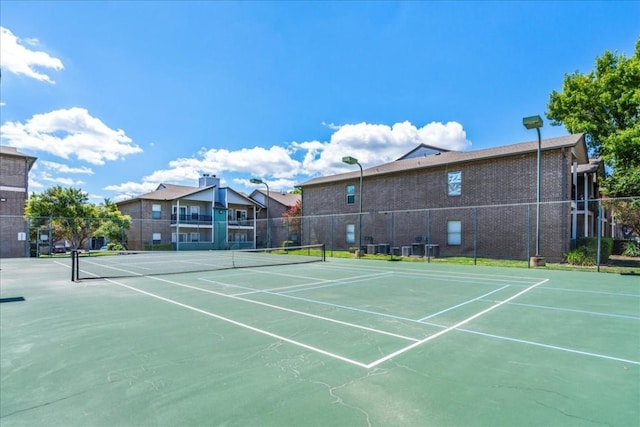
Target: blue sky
[[116, 97]]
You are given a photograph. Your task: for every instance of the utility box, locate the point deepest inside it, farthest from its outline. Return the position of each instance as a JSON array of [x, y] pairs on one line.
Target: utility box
[[432, 251], [384, 248]]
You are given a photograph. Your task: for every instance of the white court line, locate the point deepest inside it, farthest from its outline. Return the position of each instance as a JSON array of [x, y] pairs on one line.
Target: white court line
[[463, 303], [445, 273], [314, 285], [348, 281], [242, 325], [573, 310], [584, 291], [553, 347], [451, 328], [290, 310]]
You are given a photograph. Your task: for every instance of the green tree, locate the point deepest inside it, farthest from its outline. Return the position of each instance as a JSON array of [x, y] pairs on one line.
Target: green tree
[[605, 104], [113, 225], [71, 217]]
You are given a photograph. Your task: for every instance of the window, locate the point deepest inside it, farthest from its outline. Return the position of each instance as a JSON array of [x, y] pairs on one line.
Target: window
[[195, 212], [156, 238], [454, 232], [156, 211], [195, 237], [182, 237], [351, 194], [351, 233], [455, 183]]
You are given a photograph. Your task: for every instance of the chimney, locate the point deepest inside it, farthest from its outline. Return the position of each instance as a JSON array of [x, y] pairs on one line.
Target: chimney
[[207, 180]]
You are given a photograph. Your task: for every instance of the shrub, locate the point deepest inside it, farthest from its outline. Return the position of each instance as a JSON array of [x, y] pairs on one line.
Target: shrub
[[115, 246], [579, 256], [589, 245], [631, 249], [158, 247]]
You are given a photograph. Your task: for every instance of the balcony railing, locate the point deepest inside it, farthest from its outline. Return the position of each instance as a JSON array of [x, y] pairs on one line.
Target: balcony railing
[[192, 219]]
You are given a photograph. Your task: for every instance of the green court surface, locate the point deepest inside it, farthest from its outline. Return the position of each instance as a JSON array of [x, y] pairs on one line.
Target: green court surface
[[346, 342]]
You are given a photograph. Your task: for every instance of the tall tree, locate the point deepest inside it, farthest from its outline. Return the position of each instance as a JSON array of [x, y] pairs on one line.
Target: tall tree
[[605, 104], [71, 217], [113, 225]]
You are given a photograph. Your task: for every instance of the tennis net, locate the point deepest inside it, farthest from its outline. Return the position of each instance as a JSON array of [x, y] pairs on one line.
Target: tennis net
[[140, 263]]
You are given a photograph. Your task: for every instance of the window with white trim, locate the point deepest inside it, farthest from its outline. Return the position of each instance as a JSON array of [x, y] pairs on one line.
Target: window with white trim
[[156, 211], [351, 233], [454, 183], [454, 233], [156, 238], [351, 194]]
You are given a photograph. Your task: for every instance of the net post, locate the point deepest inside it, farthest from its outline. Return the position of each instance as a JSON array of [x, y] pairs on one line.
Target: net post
[[324, 253], [74, 262]]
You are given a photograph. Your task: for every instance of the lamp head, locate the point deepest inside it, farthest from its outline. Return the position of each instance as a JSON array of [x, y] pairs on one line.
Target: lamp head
[[256, 181], [532, 122], [350, 160]]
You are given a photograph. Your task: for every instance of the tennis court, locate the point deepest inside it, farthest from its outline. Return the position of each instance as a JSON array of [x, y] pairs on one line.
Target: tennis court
[[346, 342]]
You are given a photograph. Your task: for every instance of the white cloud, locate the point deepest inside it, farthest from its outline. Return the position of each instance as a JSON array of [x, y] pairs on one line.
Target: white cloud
[[18, 59], [62, 168], [374, 144], [275, 185], [128, 190], [58, 180], [64, 133], [284, 167], [258, 161]]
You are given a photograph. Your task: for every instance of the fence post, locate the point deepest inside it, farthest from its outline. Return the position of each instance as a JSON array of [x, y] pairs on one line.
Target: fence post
[[599, 231], [475, 236], [528, 236]]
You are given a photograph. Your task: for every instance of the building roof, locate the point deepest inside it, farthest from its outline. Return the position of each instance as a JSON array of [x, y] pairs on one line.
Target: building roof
[[591, 167], [12, 151], [285, 199], [423, 150], [169, 192], [575, 141]]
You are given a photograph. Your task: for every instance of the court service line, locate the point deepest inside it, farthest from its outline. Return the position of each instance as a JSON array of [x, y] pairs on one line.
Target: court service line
[[340, 282], [573, 310], [314, 285], [451, 328], [552, 347], [302, 313], [446, 273], [464, 303], [242, 325]]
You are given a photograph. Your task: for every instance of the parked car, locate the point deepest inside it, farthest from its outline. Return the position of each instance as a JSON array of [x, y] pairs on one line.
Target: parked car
[[59, 248]]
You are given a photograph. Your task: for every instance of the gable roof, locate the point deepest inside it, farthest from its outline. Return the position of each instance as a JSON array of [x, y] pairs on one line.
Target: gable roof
[[423, 150], [285, 199], [575, 141], [171, 192]]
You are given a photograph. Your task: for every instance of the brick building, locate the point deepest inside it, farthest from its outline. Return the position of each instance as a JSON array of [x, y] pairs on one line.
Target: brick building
[[14, 192], [279, 230], [469, 203], [178, 217]]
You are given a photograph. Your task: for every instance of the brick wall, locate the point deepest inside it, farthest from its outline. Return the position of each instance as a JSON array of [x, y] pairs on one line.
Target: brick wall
[[489, 231], [13, 176]]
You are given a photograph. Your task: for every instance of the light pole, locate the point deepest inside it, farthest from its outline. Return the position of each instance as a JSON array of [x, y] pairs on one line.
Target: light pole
[[353, 161], [535, 122], [259, 181]]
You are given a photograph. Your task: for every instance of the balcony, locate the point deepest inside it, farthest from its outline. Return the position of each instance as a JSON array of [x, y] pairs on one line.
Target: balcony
[[192, 219]]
